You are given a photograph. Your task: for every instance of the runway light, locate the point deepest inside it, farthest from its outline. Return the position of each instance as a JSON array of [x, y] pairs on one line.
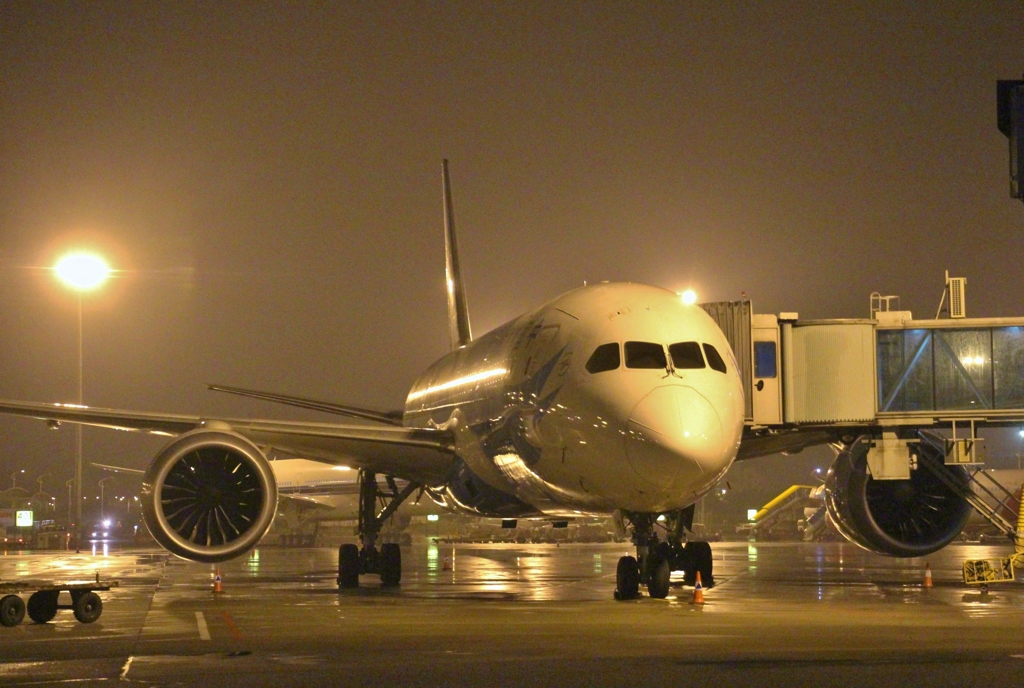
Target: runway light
[[689, 297], [82, 271]]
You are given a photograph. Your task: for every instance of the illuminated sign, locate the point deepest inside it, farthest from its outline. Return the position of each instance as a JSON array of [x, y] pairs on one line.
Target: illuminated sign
[[751, 513], [431, 517], [23, 519]]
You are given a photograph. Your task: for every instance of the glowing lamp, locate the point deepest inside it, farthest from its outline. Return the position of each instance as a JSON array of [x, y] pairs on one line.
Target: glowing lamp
[[82, 271]]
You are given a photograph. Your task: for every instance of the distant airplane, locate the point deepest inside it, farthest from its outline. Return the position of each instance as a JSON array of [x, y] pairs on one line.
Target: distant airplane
[[613, 398]]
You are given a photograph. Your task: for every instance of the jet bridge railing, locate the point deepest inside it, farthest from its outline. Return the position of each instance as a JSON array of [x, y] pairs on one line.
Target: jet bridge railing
[[975, 490]]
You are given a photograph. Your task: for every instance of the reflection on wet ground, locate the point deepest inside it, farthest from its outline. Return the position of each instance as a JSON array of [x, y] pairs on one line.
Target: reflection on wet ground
[[484, 614]]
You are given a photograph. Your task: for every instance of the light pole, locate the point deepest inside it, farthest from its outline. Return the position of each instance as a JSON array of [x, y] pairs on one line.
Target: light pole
[[14, 478], [68, 483], [101, 495], [81, 272], [39, 494]]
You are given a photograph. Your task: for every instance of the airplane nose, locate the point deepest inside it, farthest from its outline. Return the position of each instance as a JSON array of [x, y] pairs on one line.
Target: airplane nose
[[673, 436]]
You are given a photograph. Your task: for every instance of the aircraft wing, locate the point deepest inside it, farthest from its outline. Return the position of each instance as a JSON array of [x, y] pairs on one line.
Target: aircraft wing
[[423, 455]]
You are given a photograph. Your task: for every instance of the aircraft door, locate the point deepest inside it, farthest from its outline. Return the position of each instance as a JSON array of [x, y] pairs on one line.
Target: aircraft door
[[766, 390]]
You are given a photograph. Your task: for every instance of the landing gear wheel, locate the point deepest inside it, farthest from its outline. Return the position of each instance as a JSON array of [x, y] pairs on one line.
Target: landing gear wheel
[[42, 606], [627, 579], [657, 584], [87, 607], [698, 555], [12, 610], [390, 564], [348, 566]]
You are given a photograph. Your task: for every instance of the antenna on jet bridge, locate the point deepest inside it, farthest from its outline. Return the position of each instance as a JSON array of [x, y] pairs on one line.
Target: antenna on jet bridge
[[458, 312]]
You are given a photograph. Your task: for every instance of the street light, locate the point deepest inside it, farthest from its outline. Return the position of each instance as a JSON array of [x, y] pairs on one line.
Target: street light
[[101, 494], [81, 271], [14, 478], [40, 480]]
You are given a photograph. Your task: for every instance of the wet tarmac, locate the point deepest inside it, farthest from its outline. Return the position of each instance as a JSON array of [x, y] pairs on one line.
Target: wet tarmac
[[503, 615]]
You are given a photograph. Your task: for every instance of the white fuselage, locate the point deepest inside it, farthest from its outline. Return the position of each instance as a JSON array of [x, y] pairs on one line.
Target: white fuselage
[[649, 427]]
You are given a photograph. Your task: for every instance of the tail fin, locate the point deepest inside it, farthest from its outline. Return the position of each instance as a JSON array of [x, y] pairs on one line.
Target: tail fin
[[458, 313]]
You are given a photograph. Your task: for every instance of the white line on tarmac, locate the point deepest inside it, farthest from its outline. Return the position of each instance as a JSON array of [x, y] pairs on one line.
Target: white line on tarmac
[[127, 666], [204, 632]]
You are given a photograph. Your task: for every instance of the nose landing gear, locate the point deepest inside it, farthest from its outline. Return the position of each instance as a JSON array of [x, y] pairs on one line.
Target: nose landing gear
[[655, 560]]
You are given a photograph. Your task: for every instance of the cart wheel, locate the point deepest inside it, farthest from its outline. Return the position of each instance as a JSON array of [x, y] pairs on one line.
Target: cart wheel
[[88, 607], [12, 610], [42, 605]]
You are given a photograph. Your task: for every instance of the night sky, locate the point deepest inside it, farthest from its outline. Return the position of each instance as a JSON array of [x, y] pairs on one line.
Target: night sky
[[266, 180]]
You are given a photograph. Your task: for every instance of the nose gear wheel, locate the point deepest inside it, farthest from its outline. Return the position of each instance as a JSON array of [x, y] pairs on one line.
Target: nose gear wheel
[[656, 559]]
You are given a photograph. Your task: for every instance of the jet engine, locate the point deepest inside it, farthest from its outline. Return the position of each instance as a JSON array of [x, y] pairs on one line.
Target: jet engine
[[209, 495], [901, 518]]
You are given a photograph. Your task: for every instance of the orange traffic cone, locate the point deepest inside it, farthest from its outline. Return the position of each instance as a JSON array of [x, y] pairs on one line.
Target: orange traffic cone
[[698, 592], [218, 583], [447, 564], [927, 575]]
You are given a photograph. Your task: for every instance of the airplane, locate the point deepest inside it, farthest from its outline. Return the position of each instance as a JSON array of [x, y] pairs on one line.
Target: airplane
[[613, 398]]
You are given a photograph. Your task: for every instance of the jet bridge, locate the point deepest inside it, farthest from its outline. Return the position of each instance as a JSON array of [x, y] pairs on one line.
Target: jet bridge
[[888, 376]]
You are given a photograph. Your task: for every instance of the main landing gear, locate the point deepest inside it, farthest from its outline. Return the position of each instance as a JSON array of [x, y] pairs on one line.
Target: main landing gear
[[387, 561], [656, 559]]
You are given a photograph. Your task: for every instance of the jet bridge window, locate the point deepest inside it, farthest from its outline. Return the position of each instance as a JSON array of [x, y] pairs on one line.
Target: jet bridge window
[[686, 355], [645, 355], [715, 359], [605, 357], [765, 360]]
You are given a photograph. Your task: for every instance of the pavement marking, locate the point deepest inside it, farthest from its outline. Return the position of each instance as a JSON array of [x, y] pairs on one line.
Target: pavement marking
[[204, 631], [126, 667], [235, 633]]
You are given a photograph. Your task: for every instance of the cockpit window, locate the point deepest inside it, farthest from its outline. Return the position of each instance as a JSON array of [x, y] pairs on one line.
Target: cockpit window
[[605, 357], [714, 358], [686, 355], [645, 355]]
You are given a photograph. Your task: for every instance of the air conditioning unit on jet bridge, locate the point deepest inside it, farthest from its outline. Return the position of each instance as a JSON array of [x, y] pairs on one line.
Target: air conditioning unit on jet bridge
[[955, 285]]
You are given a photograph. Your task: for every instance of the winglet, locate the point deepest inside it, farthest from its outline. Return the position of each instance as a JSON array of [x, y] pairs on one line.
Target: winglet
[[458, 312]]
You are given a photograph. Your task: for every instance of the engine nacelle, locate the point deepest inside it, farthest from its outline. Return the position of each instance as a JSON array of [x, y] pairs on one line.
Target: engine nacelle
[[209, 495], [901, 518]]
